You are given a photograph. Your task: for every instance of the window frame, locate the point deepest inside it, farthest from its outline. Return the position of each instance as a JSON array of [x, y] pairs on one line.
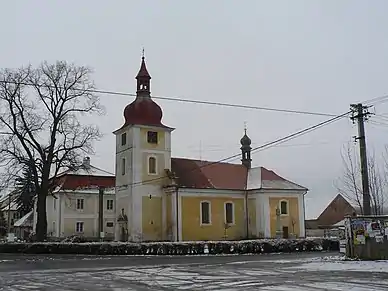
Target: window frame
[[148, 165], [201, 213], [123, 139], [76, 227], [149, 137], [287, 207], [107, 204], [233, 213], [83, 204], [123, 166]]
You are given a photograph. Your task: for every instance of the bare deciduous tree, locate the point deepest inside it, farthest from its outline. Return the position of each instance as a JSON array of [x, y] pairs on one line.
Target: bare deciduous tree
[[40, 111], [349, 185]]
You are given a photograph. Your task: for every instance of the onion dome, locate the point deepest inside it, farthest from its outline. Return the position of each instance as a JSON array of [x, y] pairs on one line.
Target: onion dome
[[245, 140]]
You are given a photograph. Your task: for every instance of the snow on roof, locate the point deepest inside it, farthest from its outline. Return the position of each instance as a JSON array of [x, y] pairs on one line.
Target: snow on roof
[[24, 220], [90, 171], [85, 191], [339, 224], [86, 169]]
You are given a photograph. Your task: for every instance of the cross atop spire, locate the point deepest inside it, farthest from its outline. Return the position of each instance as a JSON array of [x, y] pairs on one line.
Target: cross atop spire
[[142, 54], [245, 127]]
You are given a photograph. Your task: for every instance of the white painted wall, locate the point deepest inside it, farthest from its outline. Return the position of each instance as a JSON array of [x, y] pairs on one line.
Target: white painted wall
[[63, 210]]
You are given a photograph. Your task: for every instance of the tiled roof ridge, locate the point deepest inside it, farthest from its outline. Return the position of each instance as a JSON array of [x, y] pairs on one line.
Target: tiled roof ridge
[[207, 161]]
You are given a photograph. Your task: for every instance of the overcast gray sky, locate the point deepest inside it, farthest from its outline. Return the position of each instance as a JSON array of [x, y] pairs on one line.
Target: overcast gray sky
[[304, 55]]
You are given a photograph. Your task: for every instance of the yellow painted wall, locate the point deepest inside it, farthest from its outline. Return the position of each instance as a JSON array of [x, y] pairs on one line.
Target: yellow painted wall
[[287, 220], [161, 145], [192, 230], [252, 216], [152, 218]]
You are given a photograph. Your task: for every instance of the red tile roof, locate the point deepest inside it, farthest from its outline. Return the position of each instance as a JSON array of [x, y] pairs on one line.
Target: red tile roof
[[213, 175]]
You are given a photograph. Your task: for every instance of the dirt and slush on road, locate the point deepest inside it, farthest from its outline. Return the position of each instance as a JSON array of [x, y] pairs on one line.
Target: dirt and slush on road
[[301, 271]]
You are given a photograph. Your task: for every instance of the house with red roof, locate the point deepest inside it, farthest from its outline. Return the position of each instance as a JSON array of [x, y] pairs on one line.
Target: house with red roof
[[159, 197], [73, 206]]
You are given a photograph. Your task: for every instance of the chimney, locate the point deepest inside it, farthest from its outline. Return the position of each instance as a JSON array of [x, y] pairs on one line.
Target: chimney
[[86, 162]]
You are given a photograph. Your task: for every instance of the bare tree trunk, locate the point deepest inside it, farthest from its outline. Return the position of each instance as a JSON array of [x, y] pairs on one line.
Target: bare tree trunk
[[40, 126], [41, 222]]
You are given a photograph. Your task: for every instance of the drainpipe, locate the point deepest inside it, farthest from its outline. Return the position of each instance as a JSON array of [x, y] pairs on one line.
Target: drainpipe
[[59, 216], [246, 214]]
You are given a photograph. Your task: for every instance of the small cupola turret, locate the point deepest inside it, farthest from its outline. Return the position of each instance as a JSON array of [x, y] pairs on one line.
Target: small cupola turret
[[246, 150], [143, 79]]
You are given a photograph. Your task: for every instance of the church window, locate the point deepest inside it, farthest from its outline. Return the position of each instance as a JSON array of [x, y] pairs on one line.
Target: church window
[[123, 166], [229, 213], [124, 139], [152, 165], [283, 207], [152, 137], [205, 212]]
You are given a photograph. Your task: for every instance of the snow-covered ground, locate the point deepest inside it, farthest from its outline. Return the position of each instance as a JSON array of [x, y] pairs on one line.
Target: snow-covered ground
[[277, 273]]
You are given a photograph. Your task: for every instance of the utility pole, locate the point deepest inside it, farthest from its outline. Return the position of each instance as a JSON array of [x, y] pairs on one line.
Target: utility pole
[[361, 113], [101, 233]]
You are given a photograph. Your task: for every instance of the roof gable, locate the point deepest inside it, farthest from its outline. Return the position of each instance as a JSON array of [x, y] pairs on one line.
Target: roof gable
[[86, 171], [337, 209]]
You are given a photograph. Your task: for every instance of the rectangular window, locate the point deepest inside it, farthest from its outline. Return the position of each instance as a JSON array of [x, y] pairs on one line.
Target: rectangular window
[[124, 139], [229, 213], [109, 224], [123, 166], [283, 207], [152, 137], [54, 203], [205, 212], [109, 204], [80, 204], [79, 226]]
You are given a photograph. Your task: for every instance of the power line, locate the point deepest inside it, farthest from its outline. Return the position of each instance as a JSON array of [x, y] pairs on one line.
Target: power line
[[192, 101], [255, 149], [376, 100]]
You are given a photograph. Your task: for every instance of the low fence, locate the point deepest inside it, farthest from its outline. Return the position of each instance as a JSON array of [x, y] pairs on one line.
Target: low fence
[[367, 237]]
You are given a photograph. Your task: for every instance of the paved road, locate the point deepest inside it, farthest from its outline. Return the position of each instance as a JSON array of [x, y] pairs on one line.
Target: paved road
[[260, 272]]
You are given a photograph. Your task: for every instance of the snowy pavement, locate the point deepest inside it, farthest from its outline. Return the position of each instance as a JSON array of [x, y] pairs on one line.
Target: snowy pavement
[[261, 272]]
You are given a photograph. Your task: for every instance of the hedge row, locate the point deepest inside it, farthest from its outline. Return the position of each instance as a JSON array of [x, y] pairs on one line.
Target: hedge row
[[175, 248]]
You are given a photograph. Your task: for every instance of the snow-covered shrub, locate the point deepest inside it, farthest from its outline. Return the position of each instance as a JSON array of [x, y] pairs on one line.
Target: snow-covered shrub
[[74, 246]]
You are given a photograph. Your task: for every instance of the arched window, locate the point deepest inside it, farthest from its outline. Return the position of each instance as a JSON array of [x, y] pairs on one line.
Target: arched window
[[152, 165], [283, 207]]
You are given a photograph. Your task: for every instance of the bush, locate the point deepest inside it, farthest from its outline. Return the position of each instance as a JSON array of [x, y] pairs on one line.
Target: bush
[[174, 248]]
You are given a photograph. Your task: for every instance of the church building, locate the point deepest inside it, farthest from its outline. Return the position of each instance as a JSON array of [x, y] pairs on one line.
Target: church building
[[161, 198]]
